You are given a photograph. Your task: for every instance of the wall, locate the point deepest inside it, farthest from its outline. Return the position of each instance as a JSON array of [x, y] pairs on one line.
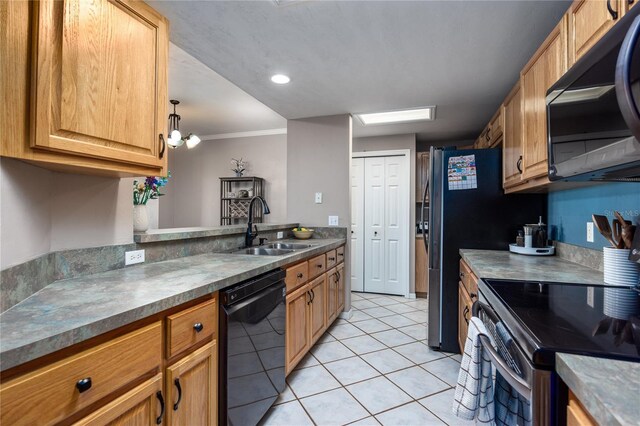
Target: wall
[[570, 210], [193, 193], [43, 211], [319, 160], [386, 143]]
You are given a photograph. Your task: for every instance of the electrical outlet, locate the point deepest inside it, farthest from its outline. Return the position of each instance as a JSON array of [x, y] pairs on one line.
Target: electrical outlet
[[589, 232], [318, 197], [280, 235], [133, 257], [333, 220]]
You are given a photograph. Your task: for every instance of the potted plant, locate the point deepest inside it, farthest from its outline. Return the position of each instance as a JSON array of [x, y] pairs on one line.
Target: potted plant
[[239, 166], [142, 193]]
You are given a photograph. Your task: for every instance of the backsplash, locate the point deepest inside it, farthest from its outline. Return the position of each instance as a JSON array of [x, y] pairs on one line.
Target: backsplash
[[570, 210]]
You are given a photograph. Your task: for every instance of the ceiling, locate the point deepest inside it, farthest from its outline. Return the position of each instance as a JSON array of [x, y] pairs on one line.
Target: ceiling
[[212, 106], [365, 56]]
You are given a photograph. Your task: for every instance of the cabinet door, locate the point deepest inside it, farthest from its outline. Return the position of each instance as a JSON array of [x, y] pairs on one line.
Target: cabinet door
[[629, 4], [464, 314], [139, 407], [318, 308], [297, 331], [542, 71], [589, 20], [340, 289], [100, 80], [422, 269], [512, 141], [192, 388], [332, 298]]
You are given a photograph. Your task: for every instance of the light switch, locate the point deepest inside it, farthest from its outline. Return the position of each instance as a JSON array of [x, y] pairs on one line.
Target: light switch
[[333, 220], [318, 197]]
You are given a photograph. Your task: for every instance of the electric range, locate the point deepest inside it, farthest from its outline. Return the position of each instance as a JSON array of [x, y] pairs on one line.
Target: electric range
[[548, 317], [529, 321]]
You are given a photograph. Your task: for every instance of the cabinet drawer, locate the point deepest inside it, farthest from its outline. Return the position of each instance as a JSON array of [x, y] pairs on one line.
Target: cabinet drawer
[[191, 326], [469, 280], [332, 259], [340, 254], [50, 394], [317, 266], [296, 276]]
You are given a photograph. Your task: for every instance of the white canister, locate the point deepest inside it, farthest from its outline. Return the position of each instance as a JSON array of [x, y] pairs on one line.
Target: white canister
[[618, 269]]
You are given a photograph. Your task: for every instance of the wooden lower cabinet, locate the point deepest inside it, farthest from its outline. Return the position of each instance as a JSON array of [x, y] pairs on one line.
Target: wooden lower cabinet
[[577, 415], [122, 380], [422, 269], [297, 331], [191, 385], [140, 406], [318, 308], [313, 306], [340, 289], [464, 315]]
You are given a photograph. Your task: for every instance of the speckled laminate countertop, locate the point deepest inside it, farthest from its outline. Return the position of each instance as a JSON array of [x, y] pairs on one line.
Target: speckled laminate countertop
[[70, 311], [506, 265], [609, 389]]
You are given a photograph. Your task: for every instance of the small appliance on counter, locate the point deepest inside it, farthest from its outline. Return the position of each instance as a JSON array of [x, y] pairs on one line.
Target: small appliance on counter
[[533, 241]]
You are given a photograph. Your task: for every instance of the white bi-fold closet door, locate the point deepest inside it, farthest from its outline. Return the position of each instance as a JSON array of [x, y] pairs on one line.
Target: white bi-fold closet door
[[380, 224]]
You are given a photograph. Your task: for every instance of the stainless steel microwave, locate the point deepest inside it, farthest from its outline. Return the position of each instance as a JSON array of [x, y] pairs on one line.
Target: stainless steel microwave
[[593, 111]]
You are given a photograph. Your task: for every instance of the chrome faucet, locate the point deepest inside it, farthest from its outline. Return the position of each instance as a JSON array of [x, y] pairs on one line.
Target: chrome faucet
[[251, 234]]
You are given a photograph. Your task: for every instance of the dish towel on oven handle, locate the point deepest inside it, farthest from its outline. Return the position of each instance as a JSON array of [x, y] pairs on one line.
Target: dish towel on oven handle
[[474, 394], [511, 407]]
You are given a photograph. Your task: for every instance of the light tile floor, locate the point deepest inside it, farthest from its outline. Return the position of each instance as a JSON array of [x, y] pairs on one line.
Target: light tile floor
[[375, 368]]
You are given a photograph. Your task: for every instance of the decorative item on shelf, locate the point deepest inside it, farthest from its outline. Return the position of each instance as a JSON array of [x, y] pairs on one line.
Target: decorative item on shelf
[[175, 137], [243, 193], [239, 166], [142, 193]]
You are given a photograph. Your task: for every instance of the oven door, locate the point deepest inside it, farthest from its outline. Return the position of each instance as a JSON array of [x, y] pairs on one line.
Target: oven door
[[532, 384]]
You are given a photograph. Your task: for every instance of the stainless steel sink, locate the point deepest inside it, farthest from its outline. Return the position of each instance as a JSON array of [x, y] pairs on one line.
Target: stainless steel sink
[[262, 251], [288, 246]]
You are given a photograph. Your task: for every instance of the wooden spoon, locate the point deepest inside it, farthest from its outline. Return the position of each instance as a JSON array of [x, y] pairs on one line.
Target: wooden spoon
[[602, 223], [617, 234], [627, 231]]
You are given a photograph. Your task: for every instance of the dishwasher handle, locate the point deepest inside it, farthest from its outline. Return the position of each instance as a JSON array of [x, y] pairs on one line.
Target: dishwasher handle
[[274, 294]]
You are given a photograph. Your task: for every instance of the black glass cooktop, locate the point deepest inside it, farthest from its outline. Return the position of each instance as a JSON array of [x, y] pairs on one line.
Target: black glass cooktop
[[575, 318]]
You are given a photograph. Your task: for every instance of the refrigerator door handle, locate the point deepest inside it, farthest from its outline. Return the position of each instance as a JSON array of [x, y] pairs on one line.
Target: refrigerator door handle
[[424, 201]]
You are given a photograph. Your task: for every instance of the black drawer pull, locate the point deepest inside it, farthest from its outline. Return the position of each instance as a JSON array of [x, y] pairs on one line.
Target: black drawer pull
[[300, 275], [319, 265], [612, 12], [161, 400], [177, 383], [84, 385], [473, 295], [332, 259], [464, 314], [198, 327], [519, 164], [340, 254]]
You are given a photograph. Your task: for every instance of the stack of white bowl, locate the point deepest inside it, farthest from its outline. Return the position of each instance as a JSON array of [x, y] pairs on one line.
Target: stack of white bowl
[[620, 271]]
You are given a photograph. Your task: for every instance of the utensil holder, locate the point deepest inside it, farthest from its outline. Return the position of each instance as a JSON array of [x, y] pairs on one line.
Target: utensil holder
[[618, 269]]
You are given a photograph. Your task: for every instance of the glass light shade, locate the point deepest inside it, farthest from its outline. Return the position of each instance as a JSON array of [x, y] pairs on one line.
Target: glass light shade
[[174, 143], [192, 141], [175, 135]]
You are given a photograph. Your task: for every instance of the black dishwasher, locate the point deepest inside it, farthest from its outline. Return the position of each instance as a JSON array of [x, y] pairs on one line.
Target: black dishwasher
[[252, 351]]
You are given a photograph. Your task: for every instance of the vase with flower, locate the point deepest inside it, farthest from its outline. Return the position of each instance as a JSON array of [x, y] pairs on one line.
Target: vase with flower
[[149, 189]]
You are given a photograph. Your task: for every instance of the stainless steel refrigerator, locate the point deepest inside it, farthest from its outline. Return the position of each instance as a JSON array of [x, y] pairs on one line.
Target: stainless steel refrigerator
[[467, 209]]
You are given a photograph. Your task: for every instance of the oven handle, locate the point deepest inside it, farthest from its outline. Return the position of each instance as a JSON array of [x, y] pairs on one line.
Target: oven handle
[[517, 382]]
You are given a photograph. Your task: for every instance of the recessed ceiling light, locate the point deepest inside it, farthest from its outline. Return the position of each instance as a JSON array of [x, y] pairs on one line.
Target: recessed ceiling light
[[399, 116], [280, 79]]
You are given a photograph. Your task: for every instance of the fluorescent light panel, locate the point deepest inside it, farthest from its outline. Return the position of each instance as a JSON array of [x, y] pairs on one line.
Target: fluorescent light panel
[[401, 116]]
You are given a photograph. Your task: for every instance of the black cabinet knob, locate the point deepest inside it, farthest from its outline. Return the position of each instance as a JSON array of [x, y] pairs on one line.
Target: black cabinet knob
[[300, 275], [83, 385], [198, 327]]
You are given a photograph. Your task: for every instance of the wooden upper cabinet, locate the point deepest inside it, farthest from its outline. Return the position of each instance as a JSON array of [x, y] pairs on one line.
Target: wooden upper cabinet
[[512, 138], [87, 82], [99, 80], [589, 20], [496, 128], [547, 65], [422, 172]]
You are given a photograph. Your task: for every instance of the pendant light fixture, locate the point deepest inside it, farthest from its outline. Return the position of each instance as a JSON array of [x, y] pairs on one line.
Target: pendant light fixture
[[175, 137]]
